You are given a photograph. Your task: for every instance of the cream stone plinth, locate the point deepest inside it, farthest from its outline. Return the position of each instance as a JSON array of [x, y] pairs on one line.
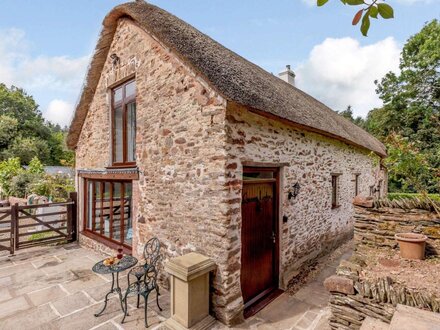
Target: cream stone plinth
[[190, 292]]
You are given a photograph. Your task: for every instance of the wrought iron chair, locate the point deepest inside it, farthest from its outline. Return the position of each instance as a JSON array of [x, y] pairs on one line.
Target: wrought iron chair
[[142, 287], [151, 252]]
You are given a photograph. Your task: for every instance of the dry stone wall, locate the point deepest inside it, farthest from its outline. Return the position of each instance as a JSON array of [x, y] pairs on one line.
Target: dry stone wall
[[359, 291], [377, 226]]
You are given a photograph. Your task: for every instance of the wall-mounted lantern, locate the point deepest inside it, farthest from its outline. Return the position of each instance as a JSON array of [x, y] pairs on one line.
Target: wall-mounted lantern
[[294, 192], [115, 59]]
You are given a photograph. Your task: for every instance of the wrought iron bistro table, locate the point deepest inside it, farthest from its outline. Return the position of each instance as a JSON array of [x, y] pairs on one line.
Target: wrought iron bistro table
[[125, 263]]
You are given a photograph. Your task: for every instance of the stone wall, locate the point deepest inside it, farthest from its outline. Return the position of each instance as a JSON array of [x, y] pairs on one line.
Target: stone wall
[[190, 160], [180, 196], [376, 226], [313, 227], [375, 279]]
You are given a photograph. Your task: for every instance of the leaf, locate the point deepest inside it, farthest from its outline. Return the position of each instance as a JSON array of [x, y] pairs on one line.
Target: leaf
[[365, 26], [321, 2], [386, 11], [354, 2], [357, 17], [373, 11]]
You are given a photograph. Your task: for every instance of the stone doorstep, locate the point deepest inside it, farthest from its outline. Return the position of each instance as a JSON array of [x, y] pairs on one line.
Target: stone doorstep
[[409, 318]]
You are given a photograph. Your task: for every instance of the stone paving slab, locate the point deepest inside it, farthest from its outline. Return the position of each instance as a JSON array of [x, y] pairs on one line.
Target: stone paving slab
[[84, 319], [5, 294], [11, 306], [46, 295], [69, 303], [29, 319], [54, 288]]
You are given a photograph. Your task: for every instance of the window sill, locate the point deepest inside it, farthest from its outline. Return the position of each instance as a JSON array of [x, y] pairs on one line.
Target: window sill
[[119, 166], [107, 242]]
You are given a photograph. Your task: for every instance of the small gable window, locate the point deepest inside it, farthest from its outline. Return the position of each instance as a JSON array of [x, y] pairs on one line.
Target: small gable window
[[124, 124], [335, 190], [356, 184]]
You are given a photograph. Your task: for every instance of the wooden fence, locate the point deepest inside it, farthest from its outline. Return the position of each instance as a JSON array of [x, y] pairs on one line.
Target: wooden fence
[[23, 226]]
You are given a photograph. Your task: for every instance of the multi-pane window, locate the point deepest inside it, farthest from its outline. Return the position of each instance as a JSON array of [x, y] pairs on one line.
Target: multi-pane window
[[109, 212], [124, 124], [335, 191]]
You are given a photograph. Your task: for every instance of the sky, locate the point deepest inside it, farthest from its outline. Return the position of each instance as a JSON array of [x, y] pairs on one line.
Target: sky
[[46, 45]]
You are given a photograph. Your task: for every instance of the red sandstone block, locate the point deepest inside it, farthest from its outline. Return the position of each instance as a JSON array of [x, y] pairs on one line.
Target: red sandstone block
[[339, 284], [363, 201]]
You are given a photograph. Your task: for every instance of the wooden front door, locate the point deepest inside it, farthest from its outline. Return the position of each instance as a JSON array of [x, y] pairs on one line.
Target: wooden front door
[[259, 235]]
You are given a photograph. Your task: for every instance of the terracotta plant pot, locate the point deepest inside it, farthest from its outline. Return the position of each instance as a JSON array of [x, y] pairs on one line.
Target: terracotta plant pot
[[412, 245]]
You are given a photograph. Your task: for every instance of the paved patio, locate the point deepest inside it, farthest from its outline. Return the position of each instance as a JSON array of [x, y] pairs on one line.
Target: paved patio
[[54, 288]]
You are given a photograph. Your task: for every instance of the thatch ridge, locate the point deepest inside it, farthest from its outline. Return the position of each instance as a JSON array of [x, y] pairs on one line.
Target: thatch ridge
[[234, 77]]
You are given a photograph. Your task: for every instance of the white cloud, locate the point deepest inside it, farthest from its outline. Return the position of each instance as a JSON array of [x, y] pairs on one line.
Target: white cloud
[[51, 77], [59, 112], [341, 72]]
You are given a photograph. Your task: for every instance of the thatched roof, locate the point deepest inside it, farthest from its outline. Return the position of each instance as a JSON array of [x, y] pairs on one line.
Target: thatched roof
[[237, 79]]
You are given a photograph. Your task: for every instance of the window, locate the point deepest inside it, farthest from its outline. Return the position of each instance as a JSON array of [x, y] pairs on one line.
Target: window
[[356, 184], [335, 190], [124, 124], [108, 210]]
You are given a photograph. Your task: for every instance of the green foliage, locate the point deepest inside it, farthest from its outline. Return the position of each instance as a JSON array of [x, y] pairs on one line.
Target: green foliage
[[20, 185], [57, 187], [8, 169], [409, 121], [348, 114], [393, 196], [35, 166], [8, 130], [27, 148], [408, 168], [385, 10], [372, 9], [25, 134]]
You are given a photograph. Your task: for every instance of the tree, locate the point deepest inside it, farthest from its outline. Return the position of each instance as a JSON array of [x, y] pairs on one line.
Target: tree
[[348, 114], [35, 166], [25, 134], [8, 130], [374, 9], [411, 110], [26, 148]]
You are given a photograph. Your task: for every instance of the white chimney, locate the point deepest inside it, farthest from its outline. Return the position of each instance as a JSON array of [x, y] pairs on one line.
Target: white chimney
[[287, 75]]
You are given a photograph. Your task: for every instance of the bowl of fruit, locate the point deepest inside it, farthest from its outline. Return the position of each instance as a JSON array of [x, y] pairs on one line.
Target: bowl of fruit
[[110, 261]]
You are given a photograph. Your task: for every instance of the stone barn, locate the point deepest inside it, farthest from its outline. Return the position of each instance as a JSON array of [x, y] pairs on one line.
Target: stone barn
[[180, 138]]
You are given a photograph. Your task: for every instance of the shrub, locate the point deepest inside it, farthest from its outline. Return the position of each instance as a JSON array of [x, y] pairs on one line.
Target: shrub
[[35, 166], [20, 185], [56, 187], [8, 169]]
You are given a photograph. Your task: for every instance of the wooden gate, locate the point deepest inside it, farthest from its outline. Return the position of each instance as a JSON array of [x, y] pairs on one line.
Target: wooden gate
[[32, 225], [6, 234]]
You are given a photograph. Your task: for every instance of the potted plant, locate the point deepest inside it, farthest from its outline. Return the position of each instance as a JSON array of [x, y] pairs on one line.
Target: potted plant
[[412, 245]]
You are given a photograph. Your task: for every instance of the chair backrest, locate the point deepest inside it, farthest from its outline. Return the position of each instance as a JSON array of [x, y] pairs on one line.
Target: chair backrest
[[150, 276], [151, 250]]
